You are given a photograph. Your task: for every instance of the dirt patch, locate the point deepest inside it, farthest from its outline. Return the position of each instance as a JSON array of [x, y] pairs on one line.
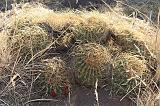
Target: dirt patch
[[86, 97]]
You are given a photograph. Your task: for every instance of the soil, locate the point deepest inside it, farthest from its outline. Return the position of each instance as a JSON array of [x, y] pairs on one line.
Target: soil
[[86, 97]]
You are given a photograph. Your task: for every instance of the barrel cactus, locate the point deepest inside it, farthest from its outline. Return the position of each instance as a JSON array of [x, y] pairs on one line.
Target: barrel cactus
[[91, 62], [130, 72], [26, 39], [56, 77], [132, 42], [138, 44], [93, 30]]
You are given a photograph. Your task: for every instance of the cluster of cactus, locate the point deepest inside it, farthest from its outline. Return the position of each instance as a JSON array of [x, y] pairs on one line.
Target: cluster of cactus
[[91, 60], [54, 52], [95, 58], [56, 77], [126, 72]]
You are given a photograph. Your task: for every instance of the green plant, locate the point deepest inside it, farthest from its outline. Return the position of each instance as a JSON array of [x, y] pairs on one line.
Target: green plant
[[91, 60], [91, 31], [131, 43], [55, 77], [130, 73]]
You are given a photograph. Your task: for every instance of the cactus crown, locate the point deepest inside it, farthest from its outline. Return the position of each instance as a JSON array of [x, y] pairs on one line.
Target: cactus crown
[[94, 55], [90, 62], [55, 75]]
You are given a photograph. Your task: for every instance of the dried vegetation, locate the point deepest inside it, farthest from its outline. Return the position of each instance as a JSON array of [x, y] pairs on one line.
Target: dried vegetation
[[38, 46]]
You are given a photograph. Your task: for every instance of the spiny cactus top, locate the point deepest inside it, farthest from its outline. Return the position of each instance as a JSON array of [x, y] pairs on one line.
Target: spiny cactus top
[[130, 72], [91, 60], [56, 76], [131, 64]]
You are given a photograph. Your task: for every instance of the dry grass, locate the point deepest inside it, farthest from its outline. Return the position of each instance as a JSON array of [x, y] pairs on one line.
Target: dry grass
[[25, 34]]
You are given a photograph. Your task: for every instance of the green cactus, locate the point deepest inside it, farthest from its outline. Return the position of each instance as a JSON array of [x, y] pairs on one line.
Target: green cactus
[[131, 43], [130, 72], [92, 31], [91, 60], [56, 77]]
